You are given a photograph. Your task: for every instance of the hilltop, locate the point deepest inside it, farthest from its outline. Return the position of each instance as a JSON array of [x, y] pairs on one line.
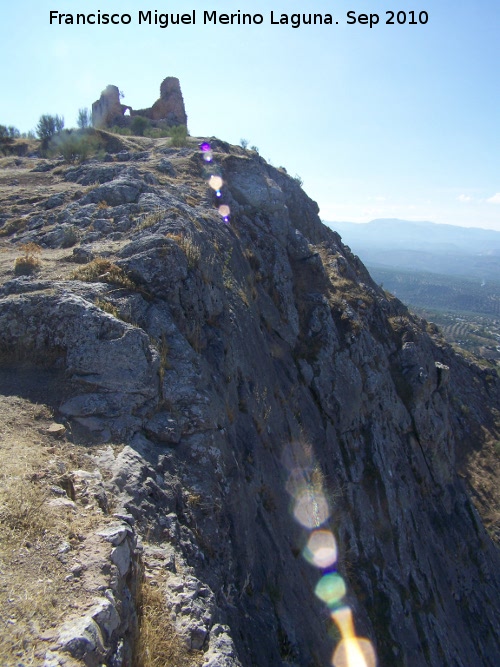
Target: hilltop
[[188, 392]]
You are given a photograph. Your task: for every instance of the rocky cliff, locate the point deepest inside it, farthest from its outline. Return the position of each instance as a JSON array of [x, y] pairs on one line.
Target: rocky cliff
[[218, 364]]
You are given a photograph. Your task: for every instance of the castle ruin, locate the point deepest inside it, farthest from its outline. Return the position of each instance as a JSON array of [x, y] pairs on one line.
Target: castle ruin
[[168, 109]]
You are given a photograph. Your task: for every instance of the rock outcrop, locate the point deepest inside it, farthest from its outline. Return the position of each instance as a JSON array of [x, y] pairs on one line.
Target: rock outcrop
[[207, 349], [169, 108], [105, 634]]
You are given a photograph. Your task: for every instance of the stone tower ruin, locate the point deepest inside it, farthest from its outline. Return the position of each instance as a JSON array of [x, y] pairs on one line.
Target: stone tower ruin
[[168, 109]]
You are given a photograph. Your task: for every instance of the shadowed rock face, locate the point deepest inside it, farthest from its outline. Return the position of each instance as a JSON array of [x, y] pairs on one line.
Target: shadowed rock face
[[169, 108], [241, 339]]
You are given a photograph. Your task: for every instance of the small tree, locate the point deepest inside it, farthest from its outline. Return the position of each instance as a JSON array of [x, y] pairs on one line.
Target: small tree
[[10, 132], [48, 126], [244, 143], [84, 119]]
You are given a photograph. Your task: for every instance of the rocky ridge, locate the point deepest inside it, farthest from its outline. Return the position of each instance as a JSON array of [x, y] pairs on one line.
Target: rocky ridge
[[204, 349]]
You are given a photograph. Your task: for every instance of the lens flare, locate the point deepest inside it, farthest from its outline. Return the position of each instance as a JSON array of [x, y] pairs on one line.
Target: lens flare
[[311, 508], [297, 456], [215, 182], [354, 652], [343, 620], [331, 589], [213, 177], [298, 482], [321, 549]]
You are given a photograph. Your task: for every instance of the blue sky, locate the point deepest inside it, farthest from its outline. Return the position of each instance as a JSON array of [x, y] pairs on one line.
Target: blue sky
[[395, 121]]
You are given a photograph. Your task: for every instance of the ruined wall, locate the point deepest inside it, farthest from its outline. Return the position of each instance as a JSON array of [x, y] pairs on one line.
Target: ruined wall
[[169, 108], [108, 109]]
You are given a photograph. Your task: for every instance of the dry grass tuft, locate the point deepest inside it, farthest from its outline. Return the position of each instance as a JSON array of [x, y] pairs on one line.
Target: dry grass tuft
[[23, 506], [28, 263], [104, 271], [151, 219], [164, 351], [189, 247], [107, 307], [157, 644], [35, 594]]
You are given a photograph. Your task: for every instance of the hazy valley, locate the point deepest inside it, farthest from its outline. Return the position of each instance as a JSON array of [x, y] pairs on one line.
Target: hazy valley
[[449, 275]]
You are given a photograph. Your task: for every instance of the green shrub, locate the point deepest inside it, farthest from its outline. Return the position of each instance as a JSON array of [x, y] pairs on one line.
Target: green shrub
[[70, 237], [179, 135], [7, 136], [138, 125], [74, 145]]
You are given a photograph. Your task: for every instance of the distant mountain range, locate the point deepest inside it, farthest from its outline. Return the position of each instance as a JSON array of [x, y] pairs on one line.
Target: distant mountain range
[[424, 246]]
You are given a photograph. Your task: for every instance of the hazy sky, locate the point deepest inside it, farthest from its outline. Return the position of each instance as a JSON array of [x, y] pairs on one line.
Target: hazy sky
[[393, 121]]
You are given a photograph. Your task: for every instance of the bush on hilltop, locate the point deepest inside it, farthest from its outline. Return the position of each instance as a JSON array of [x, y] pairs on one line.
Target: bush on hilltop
[[179, 135], [138, 125], [7, 136], [48, 126], [75, 145]]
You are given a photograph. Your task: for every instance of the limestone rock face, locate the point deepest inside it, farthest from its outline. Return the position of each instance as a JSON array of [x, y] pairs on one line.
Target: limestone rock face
[[225, 345], [93, 351]]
